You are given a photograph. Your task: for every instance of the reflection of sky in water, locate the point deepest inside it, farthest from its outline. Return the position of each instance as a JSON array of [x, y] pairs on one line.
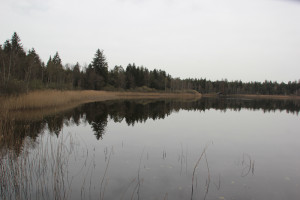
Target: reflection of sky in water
[[250, 154]]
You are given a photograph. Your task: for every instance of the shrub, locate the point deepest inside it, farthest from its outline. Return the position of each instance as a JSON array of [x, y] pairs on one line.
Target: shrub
[[12, 87]]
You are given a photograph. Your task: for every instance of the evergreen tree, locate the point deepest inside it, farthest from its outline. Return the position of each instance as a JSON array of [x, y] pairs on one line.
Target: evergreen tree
[[18, 69], [17, 58], [76, 75], [56, 73], [117, 77], [100, 66], [56, 59], [33, 68], [16, 44], [7, 47]]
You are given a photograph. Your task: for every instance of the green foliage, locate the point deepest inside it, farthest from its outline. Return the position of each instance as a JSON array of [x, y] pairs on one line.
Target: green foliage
[[100, 67], [117, 77], [76, 75], [36, 84], [16, 44]]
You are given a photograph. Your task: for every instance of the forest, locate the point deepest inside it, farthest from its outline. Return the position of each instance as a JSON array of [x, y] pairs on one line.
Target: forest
[[22, 71]]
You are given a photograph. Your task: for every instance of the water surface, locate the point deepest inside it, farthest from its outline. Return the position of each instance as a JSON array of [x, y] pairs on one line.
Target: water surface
[[165, 149]]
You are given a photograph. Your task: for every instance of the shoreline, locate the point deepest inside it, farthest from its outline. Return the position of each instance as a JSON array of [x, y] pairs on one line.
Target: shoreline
[[254, 96], [38, 104], [53, 99], [47, 102]]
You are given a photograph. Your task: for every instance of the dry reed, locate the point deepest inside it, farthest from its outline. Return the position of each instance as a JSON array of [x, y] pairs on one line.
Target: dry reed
[[54, 98], [42, 175]]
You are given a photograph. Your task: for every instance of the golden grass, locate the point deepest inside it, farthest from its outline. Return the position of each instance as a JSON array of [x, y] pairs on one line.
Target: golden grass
[[54, 99], [38, 104], [48, 98]]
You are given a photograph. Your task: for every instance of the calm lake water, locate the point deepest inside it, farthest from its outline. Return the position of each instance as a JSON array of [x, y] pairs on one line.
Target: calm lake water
[[163, 149]]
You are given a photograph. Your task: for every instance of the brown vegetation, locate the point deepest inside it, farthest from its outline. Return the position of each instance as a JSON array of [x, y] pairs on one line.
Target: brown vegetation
[[54, 99], [36, 105]]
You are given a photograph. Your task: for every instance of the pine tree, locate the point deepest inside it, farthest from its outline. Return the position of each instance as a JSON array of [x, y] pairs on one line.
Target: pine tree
[[33, 67], [76, 75], [16, 44], [7, 46], [56, 59], [100, 67], [17, 57]]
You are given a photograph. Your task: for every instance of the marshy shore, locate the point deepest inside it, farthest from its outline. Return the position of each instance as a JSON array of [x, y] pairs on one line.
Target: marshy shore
[[38, 104], [54, 99]]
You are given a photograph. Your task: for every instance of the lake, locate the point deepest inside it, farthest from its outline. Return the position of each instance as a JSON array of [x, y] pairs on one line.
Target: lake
[[209, 148]]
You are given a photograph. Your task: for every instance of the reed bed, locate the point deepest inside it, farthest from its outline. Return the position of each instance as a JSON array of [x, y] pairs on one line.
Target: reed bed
[[41, 175], [42, 170], [54, 98], [62, 168]]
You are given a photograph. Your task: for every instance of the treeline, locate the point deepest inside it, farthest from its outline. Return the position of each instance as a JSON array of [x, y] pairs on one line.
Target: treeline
[[22, 71]]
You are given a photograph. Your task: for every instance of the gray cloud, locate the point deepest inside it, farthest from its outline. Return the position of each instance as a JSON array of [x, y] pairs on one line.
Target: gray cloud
[[236, 39], [29, 6]]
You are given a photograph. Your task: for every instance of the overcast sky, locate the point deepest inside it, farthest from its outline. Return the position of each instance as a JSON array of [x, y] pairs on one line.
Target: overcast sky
[[248, 40]]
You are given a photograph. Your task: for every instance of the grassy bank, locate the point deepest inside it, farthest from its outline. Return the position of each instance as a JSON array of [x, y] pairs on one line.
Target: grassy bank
[[37, 104], [53, 99]]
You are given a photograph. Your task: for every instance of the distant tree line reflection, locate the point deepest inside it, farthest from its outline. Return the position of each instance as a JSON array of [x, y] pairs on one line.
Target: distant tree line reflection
[[131, 111]]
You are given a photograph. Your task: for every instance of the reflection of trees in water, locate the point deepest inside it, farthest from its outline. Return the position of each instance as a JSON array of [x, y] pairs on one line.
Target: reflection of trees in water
[[136, 111], [96, 115], [13, 138]]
